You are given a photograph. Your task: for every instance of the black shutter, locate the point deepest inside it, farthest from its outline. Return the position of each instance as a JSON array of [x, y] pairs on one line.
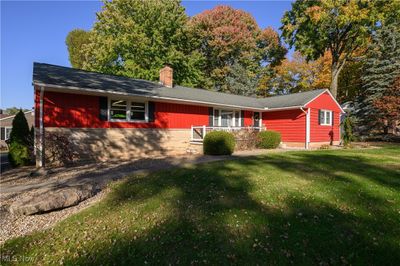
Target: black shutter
[[103, 104], [3, 133], [333, 118], [242, 118], [210, 116], [151, 110], [319, 117]]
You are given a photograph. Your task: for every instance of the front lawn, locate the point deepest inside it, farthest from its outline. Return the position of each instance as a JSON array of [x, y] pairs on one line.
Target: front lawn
[[320, 207]]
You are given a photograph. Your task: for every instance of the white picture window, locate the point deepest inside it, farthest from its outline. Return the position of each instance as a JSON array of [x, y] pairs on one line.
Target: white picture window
[[227, 118], [123, 110], [325, 117]]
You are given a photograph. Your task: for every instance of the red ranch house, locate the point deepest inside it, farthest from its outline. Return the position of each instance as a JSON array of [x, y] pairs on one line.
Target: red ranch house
[[107, 116]]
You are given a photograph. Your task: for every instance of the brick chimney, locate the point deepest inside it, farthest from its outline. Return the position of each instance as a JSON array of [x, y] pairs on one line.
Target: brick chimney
[[166, 76]]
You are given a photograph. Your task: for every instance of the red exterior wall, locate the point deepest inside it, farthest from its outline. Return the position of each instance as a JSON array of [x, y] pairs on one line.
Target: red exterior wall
[[82, 111], [320, 133], [290, 123], [248, 118]]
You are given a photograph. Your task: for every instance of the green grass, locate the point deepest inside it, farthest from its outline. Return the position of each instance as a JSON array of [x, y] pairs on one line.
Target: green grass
[[320, 207]]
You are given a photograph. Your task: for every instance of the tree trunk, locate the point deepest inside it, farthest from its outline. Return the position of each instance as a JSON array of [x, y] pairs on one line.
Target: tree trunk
[[335, 70]]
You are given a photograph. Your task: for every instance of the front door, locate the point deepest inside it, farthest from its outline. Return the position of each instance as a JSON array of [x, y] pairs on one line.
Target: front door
[[256, 119]]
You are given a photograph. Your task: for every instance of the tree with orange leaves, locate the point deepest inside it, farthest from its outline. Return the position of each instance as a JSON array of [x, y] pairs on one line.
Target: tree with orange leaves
[[226, 37], [296, 75]]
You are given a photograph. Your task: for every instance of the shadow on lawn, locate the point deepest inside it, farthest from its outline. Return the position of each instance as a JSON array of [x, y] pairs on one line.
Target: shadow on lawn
[[215, 217]]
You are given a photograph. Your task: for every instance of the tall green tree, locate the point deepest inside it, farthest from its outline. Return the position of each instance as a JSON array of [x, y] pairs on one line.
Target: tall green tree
[[136, 38], [338, 26], [240, 81], [226, 36], [382, 67], [76, 41]]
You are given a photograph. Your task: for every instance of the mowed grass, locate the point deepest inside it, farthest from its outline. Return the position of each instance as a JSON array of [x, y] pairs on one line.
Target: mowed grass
[[319, 207]]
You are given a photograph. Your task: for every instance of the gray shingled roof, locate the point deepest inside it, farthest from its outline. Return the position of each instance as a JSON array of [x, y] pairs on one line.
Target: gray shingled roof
[[68, 77], [294, 99]]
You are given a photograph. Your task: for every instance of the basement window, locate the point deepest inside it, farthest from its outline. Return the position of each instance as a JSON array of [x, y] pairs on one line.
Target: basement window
[[325, 118]]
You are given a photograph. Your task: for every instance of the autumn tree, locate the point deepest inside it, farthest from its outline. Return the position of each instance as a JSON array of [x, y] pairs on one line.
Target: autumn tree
[[296, 75], [136, 38], [350, 82], [75, 41], [337, 26], [226, 36], [389, 105]]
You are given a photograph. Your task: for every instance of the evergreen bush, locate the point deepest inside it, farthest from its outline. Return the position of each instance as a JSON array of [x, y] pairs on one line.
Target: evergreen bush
[[219, 143], [347, 135], [20, 142], [268, 139]]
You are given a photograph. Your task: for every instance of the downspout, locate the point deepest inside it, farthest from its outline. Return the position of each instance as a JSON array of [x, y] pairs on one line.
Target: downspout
[[41, 129], [307, 113]]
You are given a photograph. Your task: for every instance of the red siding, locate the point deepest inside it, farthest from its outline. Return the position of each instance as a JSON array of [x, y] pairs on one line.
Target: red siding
[[248, 118], [320, 133], [290, 123], [82, 111]]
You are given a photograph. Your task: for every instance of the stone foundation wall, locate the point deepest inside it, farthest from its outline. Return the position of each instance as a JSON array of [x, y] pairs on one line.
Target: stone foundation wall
[[100, 144], [311, 145]]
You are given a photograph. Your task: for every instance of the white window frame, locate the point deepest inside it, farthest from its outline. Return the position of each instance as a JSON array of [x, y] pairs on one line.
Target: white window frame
[[128, 110], [324, 123], [233, 117]]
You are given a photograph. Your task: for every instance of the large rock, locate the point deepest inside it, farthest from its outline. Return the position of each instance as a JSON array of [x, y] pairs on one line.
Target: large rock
[[53, 199]]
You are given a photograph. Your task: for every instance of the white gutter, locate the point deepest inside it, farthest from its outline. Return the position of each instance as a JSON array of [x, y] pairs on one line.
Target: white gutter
[[307, 126], [145, 96], [266, 109]]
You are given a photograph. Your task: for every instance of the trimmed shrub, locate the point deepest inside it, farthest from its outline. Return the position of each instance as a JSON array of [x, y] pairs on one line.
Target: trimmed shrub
[[19, 154], [219, 143], [268, 139]]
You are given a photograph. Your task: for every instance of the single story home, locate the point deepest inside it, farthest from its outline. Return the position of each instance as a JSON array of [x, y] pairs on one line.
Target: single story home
[[106, 116], [6, 126]]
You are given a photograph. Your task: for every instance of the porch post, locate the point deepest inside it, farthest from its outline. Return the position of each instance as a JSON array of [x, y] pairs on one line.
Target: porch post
[[204, 131]]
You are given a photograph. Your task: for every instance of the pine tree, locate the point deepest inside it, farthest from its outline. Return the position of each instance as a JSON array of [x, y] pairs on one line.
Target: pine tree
[[20, 145], [240, 81], [20, 129], [382, 66]]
